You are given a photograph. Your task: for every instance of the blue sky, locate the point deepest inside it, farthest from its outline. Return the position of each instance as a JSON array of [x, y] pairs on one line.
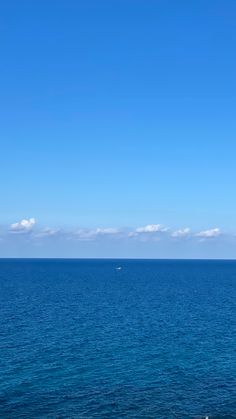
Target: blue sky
[[114, 116]]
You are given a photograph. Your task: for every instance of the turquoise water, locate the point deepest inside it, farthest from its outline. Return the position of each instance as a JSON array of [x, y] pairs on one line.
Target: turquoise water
[[81, 339]]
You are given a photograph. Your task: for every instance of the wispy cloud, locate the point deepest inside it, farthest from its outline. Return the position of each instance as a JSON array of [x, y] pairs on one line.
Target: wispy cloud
[[150, 230], [47, 232], [86, 234], [184, 232], [207, 234], [23, 226], [105, 231]]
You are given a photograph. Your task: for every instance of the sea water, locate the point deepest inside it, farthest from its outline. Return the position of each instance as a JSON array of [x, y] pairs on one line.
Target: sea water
[[83, 339]]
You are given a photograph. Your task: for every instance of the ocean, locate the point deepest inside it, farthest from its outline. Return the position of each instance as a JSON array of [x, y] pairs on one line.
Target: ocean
[[83, 339]]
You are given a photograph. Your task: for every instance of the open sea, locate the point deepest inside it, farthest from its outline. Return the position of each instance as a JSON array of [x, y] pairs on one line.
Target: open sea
[[83, 339]]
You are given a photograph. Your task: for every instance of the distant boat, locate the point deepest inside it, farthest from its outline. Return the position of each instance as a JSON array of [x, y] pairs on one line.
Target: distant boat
[[119, 268]]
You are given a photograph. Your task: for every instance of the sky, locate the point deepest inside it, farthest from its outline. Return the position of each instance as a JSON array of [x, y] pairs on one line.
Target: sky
[[117, 128]]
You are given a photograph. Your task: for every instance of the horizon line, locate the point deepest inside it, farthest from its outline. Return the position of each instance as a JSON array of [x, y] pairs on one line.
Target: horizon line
[[116, 258]]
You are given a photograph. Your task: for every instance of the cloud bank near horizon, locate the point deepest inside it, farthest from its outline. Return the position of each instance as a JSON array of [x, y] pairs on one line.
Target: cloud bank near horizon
[[30, 238], [147, 232]]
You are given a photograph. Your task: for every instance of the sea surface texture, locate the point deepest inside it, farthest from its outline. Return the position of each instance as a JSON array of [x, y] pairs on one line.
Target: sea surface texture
[[83, 339]]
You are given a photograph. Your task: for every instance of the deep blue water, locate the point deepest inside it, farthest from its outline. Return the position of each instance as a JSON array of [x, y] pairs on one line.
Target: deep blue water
[[80, 339]]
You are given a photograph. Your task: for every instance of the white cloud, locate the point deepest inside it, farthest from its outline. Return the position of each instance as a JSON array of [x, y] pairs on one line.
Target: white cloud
[[214, 232], [47, 232], [84, 234], [181, 233], [106, 231], [23, 226], [151, 228]]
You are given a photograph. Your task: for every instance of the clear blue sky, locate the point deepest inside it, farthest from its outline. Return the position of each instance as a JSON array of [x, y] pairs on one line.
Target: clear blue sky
[[118, 114]]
